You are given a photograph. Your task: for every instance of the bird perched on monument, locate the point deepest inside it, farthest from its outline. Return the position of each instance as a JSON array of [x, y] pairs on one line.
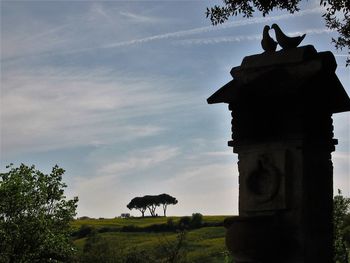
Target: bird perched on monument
[[284, 41], [267, 43]]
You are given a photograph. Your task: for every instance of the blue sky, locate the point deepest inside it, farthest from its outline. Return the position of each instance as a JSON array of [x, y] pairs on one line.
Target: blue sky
[[115, 93]]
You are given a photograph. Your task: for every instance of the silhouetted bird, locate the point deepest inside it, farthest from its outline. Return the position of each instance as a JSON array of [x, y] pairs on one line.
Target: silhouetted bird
[[267, 43], [284, 41]]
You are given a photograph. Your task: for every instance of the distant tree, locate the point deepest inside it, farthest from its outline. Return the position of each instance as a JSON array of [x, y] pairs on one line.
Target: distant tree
[[337, 14], [84, 218], [138, 203], [166, 200], [125, 215], [340, 210], [35, 216], [152, 201]]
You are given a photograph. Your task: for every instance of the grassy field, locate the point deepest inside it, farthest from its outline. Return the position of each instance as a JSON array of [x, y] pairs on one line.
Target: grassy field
[[137, 221], [205, 244]]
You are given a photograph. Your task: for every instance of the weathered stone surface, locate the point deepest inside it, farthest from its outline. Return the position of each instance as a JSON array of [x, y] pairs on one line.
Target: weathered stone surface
[[262, 180]]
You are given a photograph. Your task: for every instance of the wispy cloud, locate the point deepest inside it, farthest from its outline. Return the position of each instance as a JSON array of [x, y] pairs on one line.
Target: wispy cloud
[[141, 160], [43, 110], [342, 157], [12, 48], [209, 178], [341, 163], [94, 24], [228, 152], [107, 192], [138, 18]]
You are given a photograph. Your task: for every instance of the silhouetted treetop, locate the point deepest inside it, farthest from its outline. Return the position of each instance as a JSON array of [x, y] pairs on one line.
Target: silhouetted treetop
[[337, 15]]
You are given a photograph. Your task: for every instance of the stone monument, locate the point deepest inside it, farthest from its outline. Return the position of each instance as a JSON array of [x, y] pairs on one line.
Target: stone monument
[[282, 104]]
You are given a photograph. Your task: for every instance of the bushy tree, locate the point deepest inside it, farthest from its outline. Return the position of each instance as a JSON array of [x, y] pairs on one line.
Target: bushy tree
[[337, 14], [35, 216], [340, 210]]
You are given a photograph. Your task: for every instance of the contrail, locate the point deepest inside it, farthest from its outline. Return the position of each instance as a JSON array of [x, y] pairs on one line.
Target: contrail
[[206, 29], [341, 55], [216, 40], [189, 32]]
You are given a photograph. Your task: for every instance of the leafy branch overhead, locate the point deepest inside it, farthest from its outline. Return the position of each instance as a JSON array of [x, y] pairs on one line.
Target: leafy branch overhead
[[337, 15]]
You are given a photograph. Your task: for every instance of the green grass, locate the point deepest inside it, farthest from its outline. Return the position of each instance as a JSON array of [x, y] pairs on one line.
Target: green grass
[[136, 221], [120, 222], [206, 244]]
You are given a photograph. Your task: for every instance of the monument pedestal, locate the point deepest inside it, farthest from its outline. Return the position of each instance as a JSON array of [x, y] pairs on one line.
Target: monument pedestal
[[281, 104]]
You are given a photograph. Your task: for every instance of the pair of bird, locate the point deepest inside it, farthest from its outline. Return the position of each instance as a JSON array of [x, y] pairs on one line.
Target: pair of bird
[[269, 44]]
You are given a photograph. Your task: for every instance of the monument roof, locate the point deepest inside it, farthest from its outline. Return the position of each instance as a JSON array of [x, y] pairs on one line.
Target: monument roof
[[301, 74]]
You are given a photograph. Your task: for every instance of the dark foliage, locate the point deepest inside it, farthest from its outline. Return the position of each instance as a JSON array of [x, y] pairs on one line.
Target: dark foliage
[[341, 209], [138, 257], [85, 218], [196, 220], [83, 231], [337, 17], [150, 228], [108, 229], [337, 14], [138, 203], [219, 14], [184, 222], [97, 249], [166, 200]]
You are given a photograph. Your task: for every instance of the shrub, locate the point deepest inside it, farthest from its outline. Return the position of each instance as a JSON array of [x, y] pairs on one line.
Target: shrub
[[108, 229], [130, 228], [184, 222], [138, 257], [84, 218], [97, 249], [171, 224], [83, 231], [196, 220]]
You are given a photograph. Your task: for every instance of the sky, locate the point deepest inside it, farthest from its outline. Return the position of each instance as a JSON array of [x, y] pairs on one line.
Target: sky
[[115, 93]]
